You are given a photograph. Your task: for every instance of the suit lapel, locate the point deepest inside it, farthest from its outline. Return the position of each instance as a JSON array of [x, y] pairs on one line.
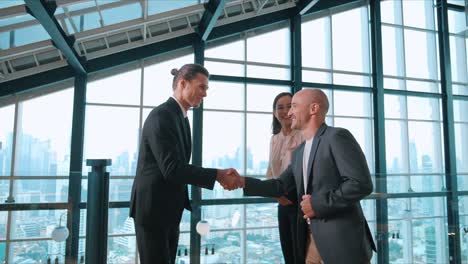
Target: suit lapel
[[313, 151], [184, 127], [298, 170]]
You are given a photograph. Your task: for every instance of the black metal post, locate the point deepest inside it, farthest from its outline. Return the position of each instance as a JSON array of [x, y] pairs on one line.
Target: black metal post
[[97, 211]]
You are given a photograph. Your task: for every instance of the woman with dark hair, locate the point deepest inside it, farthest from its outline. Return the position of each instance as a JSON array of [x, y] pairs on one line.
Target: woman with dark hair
[[282, 144]]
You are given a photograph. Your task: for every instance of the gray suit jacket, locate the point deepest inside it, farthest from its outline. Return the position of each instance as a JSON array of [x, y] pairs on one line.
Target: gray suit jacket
[[338, 179]]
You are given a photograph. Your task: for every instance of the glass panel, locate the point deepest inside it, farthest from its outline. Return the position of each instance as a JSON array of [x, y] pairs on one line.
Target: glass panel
[[40, 191], [361, 129], [120, 189], [460, 89], [456, 20], [350, 32], [121, 249], [121, 13], [225, 95], [460, 110], [418, 14], [392, 51], [316, 50], [348, 79], [395, 84], [263, 246], [391, 12], [119, 222], [420, 86], [122, 88], [159, 6], [421, 54], [463, 210], [258, 143], [260, 97], [34, 251], [423, 108], [44, 134], [231, 51], [4, 190], [35, 224], [268, 72], [28, 35], [461, 147], [395, 106], [228, 247], [3, 231], [4, 41], [425, 150], [352, 104], [107, 139], [398, 183], [458, 59], [7, 115], [316, 77], [396, 147], [158, 80], [262, 46], [262, 215], [230, 155], [224, 216], [224, 68]]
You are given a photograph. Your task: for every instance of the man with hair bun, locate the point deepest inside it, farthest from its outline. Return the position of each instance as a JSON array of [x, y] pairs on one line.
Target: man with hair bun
[[159, 192]]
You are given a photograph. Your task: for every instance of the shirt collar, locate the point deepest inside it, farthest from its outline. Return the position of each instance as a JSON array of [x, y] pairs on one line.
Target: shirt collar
[[180, 105]]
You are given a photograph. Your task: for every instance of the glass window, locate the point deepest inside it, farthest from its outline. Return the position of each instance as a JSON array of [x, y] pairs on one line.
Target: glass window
[[28, 35], [392, 51], [121, 13], [350, 32], [458, 58], [157, 81], [352, 104], [225, 68], [396, 146], [279, 73], [421, 54], [234, 50], [122, 88], [391, 12], [418, 14], [112, 133], [316, 51], [159, 6], [40, 191], [43, 136], [425, 150], [423, 108], [7, 115], [260, 96], [258, 143], [224, 95], [260, 47]]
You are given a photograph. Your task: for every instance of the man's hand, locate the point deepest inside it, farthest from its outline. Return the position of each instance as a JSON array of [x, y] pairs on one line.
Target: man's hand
[[306, 206], [283, 201], [229, 179]]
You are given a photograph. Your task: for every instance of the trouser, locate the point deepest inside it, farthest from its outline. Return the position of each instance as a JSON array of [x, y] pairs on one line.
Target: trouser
[[157, 245]]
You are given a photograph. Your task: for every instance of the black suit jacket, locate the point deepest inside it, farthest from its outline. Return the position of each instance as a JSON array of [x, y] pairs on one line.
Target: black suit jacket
[[338, 179], [159, 192]]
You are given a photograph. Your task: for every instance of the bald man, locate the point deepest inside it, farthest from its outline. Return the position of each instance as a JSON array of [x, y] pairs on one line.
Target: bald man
[[331, 176]]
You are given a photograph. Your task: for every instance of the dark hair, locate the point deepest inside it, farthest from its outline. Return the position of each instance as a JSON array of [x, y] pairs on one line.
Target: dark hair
[[188, 72], [276, 125]]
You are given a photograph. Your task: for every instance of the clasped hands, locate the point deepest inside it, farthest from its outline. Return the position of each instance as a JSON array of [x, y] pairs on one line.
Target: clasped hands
[[230, 179]]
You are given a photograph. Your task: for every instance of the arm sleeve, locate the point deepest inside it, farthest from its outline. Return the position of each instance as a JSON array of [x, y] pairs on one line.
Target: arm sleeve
[[356, 181]]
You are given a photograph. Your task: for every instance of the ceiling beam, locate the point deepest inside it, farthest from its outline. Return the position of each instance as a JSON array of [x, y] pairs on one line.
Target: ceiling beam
[[306, 5], [213, 10], [13, 11], [44, 13]]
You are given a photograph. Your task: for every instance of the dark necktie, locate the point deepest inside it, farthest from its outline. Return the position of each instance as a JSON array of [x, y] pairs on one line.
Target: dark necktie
[[188, 134]]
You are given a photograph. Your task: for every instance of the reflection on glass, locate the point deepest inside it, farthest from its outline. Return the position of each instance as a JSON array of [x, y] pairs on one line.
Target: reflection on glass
[[44, 132], [316, 50], [258, 143], [122, 88], [157, 81], [40, 191], [260, 97], [350, 32], [225, 95], [7, 114], [112, 133]]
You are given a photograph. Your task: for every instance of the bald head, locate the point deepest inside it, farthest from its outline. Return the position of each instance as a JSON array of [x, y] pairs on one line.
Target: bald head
[[314, 96]]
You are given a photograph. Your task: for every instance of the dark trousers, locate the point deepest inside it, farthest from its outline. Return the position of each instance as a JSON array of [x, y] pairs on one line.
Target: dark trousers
[[157, 245], [287, 222]]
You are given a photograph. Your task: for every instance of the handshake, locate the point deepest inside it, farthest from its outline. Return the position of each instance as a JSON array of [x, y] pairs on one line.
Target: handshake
[[230, 179]]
